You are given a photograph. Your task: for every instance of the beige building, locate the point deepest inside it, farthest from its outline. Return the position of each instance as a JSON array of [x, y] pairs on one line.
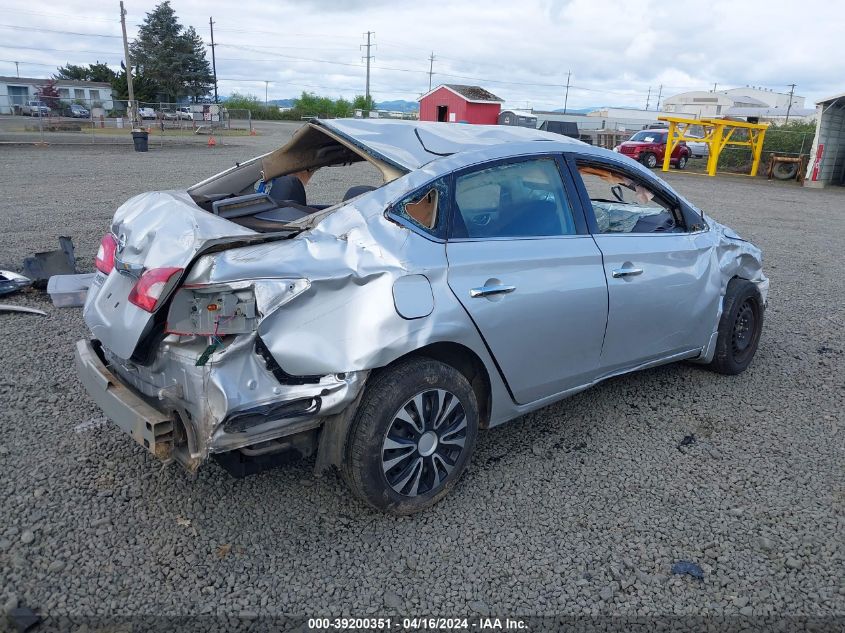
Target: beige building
[[748, 103]]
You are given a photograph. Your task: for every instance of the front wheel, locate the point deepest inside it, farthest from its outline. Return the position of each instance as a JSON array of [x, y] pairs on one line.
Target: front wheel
[[739, 328], [649, 160], [412, 436]]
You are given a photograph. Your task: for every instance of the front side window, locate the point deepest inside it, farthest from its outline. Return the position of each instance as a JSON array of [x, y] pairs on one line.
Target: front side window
[[426, 207], [624, 205], [512, 200]]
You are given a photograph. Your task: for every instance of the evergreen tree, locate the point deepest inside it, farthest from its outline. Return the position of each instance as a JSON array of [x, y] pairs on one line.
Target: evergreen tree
[[198, 77], [92, 72], [170, 56], [146, 90]]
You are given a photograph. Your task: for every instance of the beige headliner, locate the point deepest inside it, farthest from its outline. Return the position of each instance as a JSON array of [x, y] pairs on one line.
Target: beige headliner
[[303, 152]]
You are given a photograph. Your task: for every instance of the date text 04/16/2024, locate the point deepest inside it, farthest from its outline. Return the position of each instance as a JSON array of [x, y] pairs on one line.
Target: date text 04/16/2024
[[416, 624]]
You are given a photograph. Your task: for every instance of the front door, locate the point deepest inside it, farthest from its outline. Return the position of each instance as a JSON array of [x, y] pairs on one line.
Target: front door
[[662, 276], [528, 275]]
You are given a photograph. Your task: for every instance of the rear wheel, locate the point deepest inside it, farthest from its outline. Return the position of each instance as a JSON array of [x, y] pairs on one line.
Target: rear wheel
[[412, 436], [739, 328], [649, 160], [681, 162]]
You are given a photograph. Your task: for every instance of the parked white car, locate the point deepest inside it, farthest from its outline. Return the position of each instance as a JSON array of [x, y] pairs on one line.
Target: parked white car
[[699, 149], [146, 113], [35, 108]]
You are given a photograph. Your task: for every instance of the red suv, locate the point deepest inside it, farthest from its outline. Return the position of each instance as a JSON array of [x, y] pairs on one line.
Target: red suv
[[649, 147]]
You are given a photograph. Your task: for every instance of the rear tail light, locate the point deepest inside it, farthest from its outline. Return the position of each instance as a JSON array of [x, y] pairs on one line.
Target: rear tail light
[[104, 261], [152, 286]]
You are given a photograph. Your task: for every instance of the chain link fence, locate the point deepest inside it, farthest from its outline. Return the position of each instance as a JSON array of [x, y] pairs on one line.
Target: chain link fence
[[93, 121]]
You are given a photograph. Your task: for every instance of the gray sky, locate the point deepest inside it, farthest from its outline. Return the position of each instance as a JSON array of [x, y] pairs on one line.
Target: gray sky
[[519, 49]]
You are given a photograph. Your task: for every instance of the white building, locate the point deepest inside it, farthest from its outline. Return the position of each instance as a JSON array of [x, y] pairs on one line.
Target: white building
[[18, 90], [749, 102], [627, 114]]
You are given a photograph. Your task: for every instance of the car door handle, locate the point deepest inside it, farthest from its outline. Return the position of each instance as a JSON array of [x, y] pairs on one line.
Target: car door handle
[[626, 272], [486, 291]]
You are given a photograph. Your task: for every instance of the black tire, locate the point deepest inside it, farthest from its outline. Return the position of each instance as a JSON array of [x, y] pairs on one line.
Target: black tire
[[681, 162], [649, 160], [785, 171], [388, 414], [739, 328]]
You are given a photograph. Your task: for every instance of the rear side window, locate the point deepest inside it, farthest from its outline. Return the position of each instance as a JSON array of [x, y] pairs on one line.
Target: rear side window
[[426, 208], [522, 199]]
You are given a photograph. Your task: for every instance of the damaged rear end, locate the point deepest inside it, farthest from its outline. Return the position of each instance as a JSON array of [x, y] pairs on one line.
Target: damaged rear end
[[179, 363]]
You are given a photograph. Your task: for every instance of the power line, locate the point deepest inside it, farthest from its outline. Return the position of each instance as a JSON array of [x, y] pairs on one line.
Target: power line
[[213, 60], [43, 30], [368, 57], [566, 98], [430, 69], [789, 107]]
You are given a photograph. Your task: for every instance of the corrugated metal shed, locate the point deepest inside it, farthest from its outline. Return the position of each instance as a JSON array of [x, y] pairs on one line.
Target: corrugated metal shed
[[827, 158]]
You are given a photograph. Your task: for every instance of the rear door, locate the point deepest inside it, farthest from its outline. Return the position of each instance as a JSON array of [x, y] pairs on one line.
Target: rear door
[[525, 269], [662, 276]]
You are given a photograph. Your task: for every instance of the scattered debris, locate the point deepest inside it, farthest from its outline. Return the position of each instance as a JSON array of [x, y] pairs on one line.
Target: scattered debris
[[687, 441], [690, 569], [90, 424], [223, 550], [183, 522], [23, 618], [69, 291], [41, 266], [12, 282], [5, 307]]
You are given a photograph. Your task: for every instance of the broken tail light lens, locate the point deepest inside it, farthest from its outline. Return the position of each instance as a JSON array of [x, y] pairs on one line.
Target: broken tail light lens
[[104, 261], [152, 286]]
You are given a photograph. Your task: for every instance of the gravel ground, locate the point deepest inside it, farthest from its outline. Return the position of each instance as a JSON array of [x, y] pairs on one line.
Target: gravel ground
[[580, 508]]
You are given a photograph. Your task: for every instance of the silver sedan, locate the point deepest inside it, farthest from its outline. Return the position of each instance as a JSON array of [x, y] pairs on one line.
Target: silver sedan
[[496, 270]]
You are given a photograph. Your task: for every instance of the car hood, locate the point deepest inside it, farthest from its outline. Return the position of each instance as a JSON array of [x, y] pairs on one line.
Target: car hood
[[638, 144]]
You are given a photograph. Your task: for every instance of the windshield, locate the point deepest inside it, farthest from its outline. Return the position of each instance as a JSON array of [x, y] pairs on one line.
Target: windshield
[[649, 136]]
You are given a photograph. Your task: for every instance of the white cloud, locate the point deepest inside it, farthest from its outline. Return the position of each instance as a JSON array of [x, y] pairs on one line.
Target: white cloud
[[616, 49]]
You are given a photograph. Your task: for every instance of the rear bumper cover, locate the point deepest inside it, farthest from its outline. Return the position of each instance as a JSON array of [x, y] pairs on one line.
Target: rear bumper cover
[[150, 427]]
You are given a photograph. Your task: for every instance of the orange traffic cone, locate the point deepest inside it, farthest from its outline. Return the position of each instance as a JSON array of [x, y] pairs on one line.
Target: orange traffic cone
[[252, 132], [211, 141]]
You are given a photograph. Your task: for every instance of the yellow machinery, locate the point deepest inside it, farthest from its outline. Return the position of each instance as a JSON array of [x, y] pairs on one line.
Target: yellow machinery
[[718, 133]]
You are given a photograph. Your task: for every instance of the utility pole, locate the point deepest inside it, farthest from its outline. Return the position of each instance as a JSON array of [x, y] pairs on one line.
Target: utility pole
[[714, 87], [430, 69], [648, 98], [213, 60], [566, 98], [659, 94], [789, 107], [128, 65], [17, 69], [266, 83], [368, 57]]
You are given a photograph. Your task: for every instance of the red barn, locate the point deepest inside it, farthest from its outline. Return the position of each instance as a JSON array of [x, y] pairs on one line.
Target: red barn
[[455, 103]]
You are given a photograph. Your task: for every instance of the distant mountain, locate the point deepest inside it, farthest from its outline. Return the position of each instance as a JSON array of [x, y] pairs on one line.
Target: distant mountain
[[399, 106], [282, 103], [578, 110]]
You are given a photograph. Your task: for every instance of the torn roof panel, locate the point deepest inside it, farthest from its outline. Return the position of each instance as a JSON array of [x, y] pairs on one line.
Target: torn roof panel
[[412, 144]]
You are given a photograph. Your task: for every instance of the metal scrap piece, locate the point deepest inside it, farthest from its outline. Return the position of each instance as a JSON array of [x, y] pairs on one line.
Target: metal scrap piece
[[5, 307], [12, 282], [41, 266]]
